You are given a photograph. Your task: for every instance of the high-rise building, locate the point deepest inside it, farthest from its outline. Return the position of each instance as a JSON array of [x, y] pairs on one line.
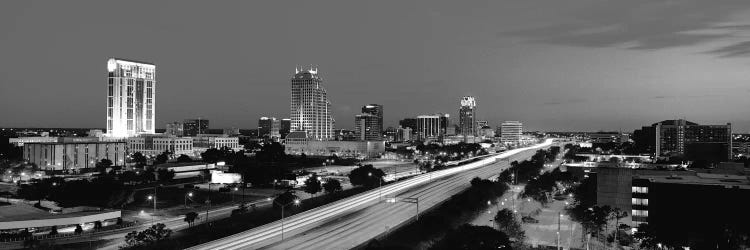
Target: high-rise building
[[286, 125], [193, 127], [174, 129], [376, 110], [712, 143], [403, 134], [482, 124], [130, 97], [428, 127], [310, 108], [467, 116], [510, 131], [367, 127], [269, 127], [409, 123]]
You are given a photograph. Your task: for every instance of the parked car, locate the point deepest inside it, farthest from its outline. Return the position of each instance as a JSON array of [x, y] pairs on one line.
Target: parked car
[[529, 219]]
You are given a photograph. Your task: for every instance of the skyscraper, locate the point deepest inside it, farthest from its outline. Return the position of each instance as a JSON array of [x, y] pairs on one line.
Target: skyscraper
[[286, 125], [174, 129], [130, 97], [310, 109], [366, 127], [376, 110], [193, 127], [467, 116], [269, 127], [429, 127]]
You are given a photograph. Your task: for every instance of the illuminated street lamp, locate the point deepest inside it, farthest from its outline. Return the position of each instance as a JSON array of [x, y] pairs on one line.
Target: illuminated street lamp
[[380, 186], [294, 202], [189, 194], [153, 197]]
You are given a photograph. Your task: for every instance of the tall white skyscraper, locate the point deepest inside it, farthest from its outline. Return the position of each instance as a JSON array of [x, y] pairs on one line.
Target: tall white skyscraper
[[130, 97], [310, 108], [467, 119]]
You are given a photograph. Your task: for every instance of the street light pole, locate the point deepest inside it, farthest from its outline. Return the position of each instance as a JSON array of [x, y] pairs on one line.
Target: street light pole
[[559, 216], [153, 197], [186, 197], [295, 201], [209, 201]]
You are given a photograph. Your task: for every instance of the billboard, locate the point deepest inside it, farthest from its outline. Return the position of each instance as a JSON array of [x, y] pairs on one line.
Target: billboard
[[224, 178]]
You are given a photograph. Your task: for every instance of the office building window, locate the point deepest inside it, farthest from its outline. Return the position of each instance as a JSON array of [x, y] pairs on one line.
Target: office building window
[[637, 201], [640, 190]]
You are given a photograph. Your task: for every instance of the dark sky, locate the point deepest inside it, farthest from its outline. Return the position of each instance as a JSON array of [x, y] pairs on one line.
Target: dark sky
[[554, 65]]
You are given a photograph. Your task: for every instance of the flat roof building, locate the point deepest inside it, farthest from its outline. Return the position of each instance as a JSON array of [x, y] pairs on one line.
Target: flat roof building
[[74, 155], [510, 132]]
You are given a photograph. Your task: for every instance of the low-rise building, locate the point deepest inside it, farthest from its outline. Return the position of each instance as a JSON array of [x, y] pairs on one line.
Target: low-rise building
[[19, 141], [202, 142], [657, 195], [155, 145], [73, 154], [297, 143]]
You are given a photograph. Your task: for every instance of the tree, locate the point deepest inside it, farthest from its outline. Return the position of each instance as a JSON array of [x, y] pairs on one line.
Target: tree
[[53, 231], [147, 237], [283, 199], [473, 237], [332, 185], [211, 155], [190, 218], [366, 175], [312, 184], [507, 222], [646, 236], [162, 158], [165, 175], [617, 214], [103, 165], [79, 229], [139, 159], [97, 225], [119, 221], [184, 158], [271, 152]]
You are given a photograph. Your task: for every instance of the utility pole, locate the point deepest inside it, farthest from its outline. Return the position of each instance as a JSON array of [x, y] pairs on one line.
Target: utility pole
[[559, 216]]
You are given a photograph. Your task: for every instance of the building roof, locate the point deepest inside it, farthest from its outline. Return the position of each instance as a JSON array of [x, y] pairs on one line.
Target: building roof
[[306, 74], [735, 181], [135, 61], [65, 143], [297, 135], [675, 122]]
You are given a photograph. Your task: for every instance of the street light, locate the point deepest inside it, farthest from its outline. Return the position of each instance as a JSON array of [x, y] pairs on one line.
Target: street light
[[189, 194], [380, 186], [295, 202], [153, 197]]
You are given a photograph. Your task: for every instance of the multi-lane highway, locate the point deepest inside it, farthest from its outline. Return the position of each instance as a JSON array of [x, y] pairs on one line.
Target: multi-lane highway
[[353, 221]]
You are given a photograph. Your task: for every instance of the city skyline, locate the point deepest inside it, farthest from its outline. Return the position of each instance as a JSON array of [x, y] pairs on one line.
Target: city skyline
[[692, 67]]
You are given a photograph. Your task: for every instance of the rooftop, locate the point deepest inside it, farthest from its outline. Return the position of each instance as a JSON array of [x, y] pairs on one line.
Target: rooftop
[[735, 181]]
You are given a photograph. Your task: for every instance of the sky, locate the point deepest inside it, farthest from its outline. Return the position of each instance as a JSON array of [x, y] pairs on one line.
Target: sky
[[576, 65]]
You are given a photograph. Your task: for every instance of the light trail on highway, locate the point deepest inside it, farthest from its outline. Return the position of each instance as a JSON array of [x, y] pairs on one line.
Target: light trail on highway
[[270, 233]]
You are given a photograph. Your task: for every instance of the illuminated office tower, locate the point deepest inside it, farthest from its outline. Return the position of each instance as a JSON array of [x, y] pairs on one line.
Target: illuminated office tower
[[467, 116], [131, 98], [376, 110], [310, 109]]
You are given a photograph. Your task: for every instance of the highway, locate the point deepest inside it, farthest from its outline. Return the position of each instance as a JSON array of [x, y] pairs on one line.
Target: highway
[[175, 223], [353, 221]]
